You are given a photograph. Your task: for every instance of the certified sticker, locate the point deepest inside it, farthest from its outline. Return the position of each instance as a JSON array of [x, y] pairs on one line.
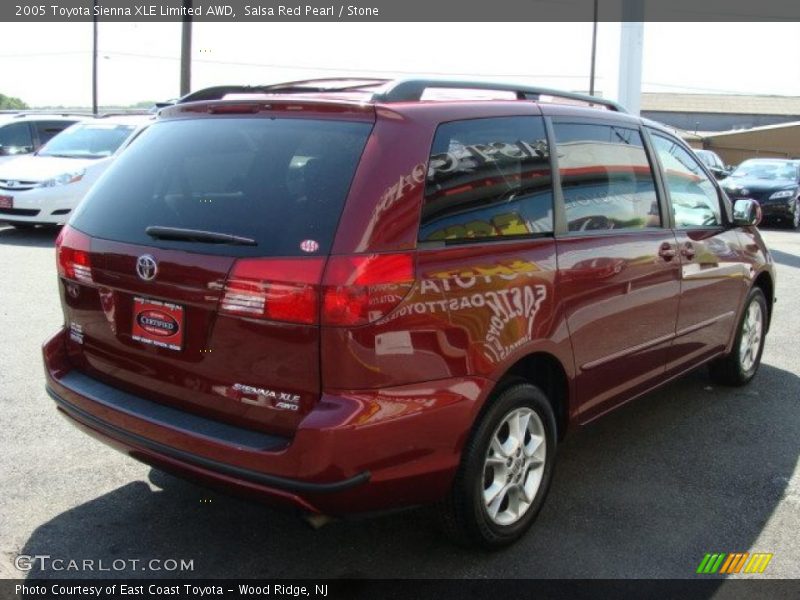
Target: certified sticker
[[309, 246], [157, 323]]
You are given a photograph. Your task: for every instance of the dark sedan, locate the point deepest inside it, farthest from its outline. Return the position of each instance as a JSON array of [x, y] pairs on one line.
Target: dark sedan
[[775, 183]]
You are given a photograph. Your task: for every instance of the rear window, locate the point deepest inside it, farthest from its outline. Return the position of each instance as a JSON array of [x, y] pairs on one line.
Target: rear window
[[279, 182], [488, 178]]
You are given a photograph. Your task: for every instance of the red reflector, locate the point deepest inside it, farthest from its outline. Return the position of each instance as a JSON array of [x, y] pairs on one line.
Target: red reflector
[[72, 255], [277, 289], [364, 289]]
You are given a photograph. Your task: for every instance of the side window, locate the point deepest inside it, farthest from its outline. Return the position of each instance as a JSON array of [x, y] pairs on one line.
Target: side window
[[488, 178], [606, 178], [49, 129], [15, 138], [695, 202]]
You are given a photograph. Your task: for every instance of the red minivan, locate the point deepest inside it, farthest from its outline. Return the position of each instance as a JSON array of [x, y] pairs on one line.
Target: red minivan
[[350, 296]]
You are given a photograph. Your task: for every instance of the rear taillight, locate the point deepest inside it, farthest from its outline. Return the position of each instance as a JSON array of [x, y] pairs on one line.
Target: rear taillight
[[277, 289], [362, 289], [72, 255], [355, 290]]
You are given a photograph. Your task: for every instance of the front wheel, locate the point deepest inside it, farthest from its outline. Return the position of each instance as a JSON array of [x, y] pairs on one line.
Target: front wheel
[[739, 366], [505, 470]]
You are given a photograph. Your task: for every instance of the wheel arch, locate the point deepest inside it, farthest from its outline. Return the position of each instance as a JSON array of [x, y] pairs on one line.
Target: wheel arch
[[765, 282], [545, 371]]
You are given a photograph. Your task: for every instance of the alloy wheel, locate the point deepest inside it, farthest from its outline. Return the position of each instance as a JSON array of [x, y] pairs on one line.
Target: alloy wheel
[[514, 466], [752, 331]]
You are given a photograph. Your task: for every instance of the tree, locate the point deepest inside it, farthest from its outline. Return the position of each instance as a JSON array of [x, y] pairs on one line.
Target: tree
[[11, 103]]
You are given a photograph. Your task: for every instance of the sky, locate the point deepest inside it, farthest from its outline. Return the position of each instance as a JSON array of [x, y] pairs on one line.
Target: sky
[[50, 63]]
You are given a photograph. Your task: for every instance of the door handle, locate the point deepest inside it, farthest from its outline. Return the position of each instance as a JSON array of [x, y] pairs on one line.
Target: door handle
[[688, 251], [666, 251]]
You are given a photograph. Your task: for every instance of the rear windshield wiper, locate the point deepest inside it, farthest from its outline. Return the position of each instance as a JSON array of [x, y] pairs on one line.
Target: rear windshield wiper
[[198, 235]]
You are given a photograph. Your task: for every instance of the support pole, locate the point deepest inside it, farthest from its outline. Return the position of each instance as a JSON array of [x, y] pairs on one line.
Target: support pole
[[630, 55], [186, 51]]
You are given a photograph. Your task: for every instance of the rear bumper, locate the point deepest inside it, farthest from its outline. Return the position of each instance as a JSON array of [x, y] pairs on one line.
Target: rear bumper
[[349, 455]]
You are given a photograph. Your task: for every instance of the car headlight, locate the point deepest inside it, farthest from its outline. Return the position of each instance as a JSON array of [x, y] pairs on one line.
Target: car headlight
[[64, 179], [782, 194]]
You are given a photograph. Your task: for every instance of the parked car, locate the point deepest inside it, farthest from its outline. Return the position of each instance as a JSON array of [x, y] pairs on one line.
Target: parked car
[[347, 299], [44, 188], [775, 183], [25, 133], [714, 163]]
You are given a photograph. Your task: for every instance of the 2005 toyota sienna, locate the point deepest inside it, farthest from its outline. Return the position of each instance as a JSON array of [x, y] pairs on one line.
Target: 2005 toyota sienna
[[350, 296]]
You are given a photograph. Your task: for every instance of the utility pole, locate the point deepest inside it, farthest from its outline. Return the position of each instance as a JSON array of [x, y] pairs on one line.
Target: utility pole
[[94, 58], [594, 50], [186, 50]]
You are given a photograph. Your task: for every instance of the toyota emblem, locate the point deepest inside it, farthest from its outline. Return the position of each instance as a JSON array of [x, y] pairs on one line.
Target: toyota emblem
[[146, 267]]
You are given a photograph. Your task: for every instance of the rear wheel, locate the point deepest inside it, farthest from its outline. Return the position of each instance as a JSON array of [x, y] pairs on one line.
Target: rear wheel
[[505, 470], [740, 365]]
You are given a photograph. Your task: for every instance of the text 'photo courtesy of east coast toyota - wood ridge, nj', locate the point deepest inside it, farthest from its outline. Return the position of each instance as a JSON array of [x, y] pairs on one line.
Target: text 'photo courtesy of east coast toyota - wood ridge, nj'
[[384, 300]]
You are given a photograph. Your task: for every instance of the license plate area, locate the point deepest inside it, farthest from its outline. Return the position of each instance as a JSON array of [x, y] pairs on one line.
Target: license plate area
[[6, 201], [157, 323]]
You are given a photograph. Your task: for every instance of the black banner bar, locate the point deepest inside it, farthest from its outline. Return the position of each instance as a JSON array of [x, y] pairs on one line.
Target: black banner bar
[[395, 10], [410, 589]]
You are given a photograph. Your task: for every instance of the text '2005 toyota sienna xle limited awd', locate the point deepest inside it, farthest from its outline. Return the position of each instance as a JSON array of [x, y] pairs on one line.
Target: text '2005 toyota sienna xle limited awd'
[[345, 297]]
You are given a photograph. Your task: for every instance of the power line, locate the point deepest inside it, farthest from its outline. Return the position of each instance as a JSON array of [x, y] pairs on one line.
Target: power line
[[383, 71], [341, 69]]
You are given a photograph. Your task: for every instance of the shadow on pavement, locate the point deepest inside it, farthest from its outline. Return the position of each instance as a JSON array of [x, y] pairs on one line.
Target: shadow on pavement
[[38, 237], [644, 492], [784, 258]]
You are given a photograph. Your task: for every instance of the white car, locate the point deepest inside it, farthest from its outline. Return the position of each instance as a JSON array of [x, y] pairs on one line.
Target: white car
[[45, 187], [24, 133]]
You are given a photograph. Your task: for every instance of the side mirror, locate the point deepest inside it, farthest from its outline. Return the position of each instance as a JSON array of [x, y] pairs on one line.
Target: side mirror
[[746, 213]]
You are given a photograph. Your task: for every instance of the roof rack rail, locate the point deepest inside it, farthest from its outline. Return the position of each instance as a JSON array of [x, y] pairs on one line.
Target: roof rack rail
[[329, 84], [400, 90], [410, 90]]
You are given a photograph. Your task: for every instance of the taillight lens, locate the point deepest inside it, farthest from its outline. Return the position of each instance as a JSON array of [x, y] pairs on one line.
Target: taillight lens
[[72, 255], [363, 289], [277, 289]]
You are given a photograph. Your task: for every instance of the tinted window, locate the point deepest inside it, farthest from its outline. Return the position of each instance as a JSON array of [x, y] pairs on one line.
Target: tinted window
[[49, 129], [15, 138], [694, 198], [606, 178], [488, 178], [88, 141], [277, 181]]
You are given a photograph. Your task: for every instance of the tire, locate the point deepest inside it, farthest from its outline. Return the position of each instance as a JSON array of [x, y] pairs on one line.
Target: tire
[[795, 222], [466, 514], [740, 365]]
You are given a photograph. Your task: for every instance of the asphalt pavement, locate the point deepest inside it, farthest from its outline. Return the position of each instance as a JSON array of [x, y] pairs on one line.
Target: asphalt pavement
[[644, 492]]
